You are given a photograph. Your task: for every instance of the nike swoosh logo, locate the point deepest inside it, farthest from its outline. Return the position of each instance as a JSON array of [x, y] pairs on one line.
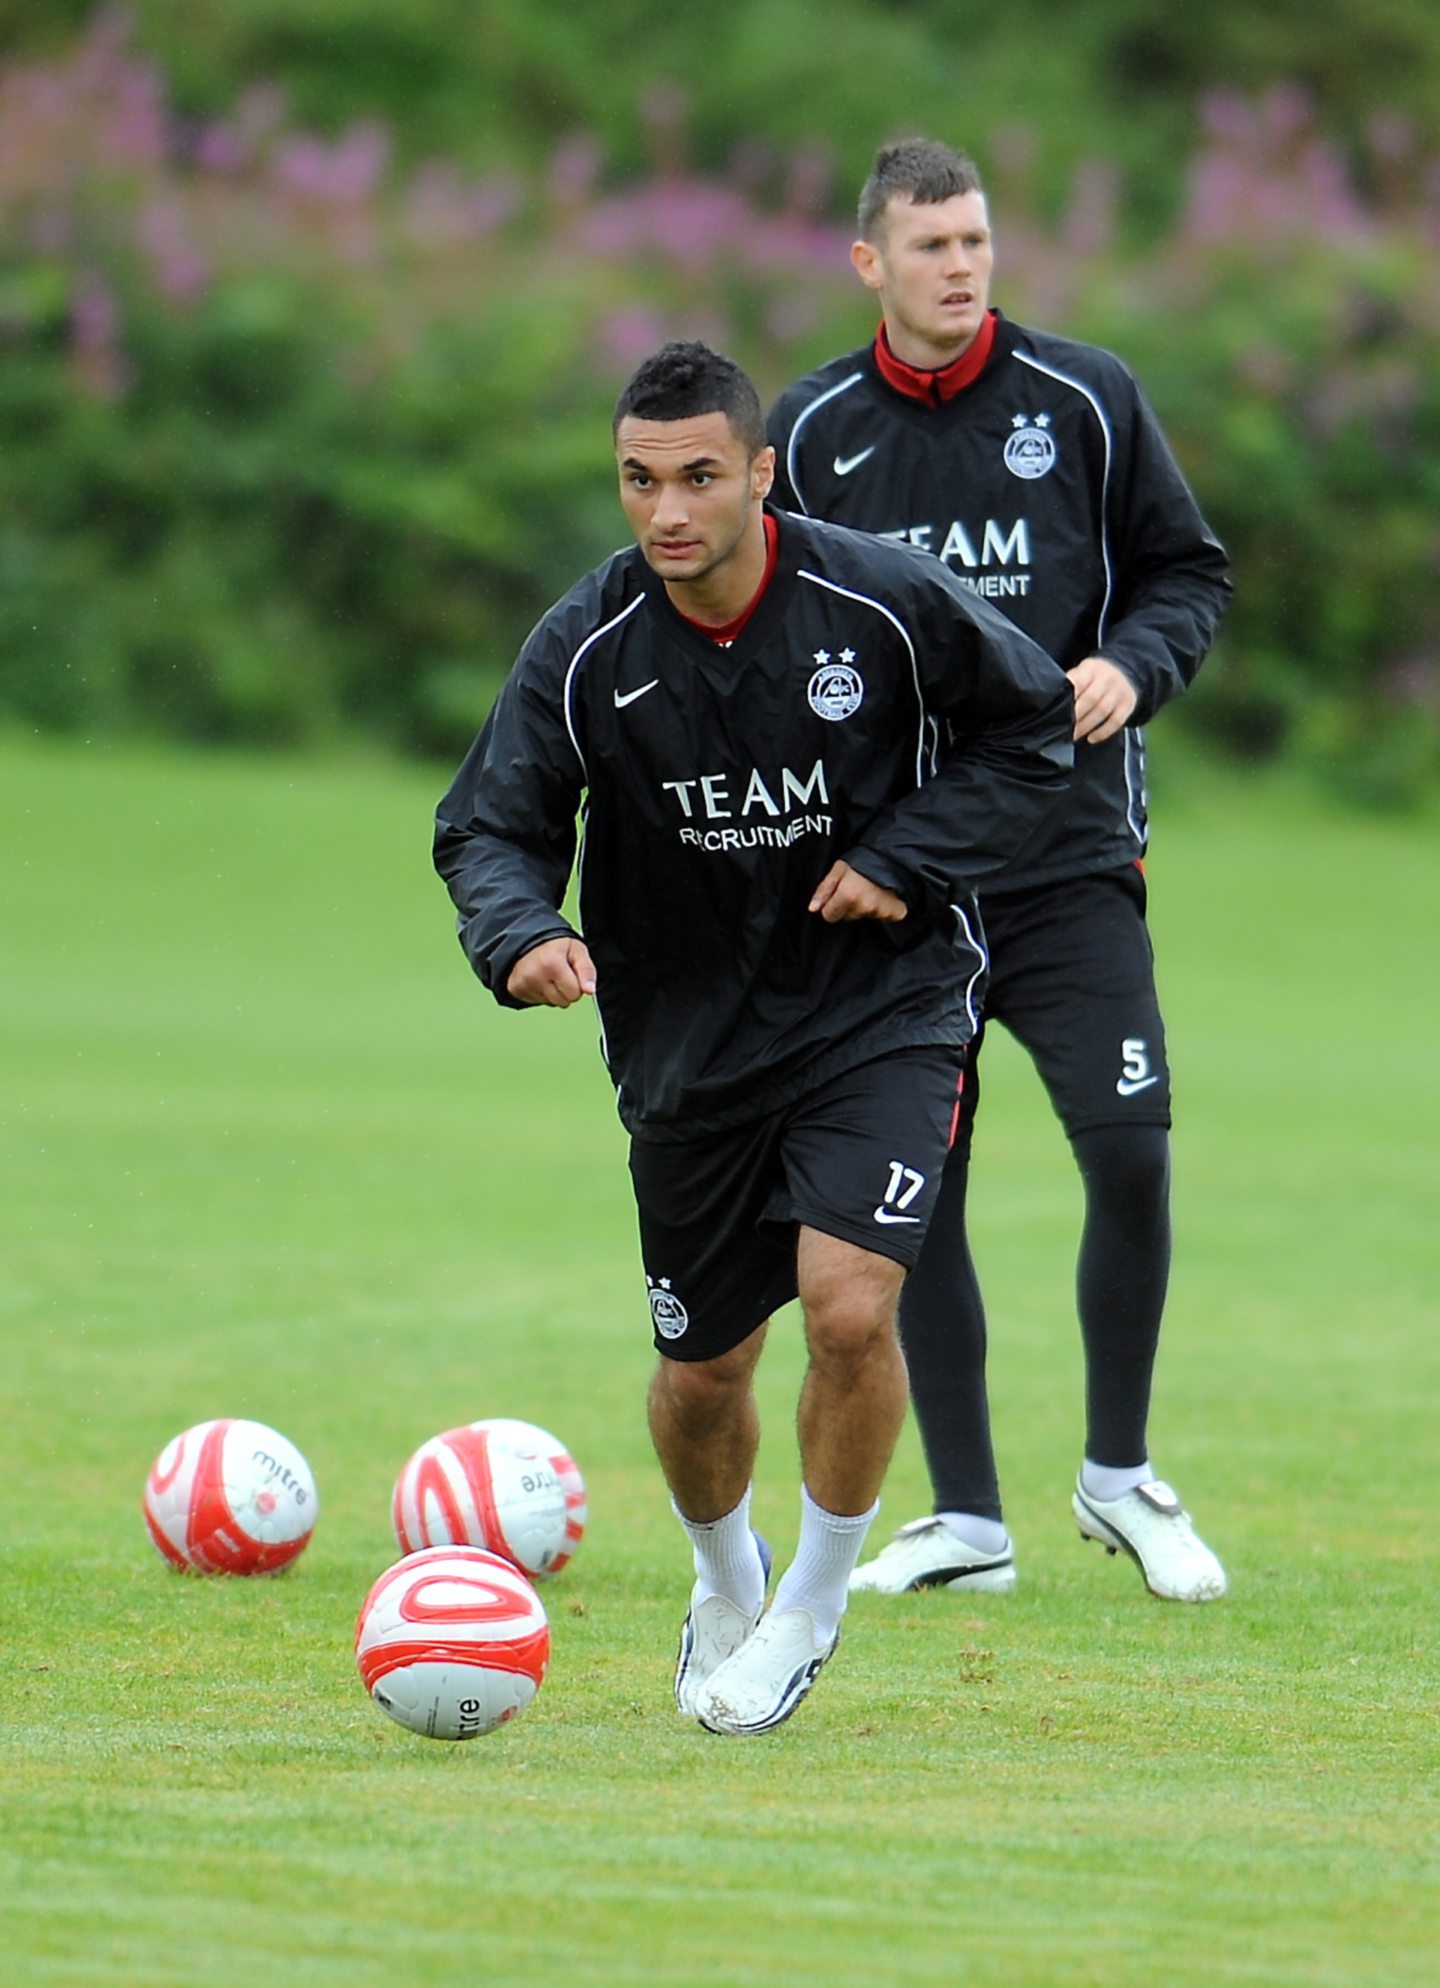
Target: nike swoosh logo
[[624, 697], [843, 467], [884, 1215], [1127, 1087]]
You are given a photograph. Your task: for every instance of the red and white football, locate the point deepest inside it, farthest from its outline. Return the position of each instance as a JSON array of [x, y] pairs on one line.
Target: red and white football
[[505, 1485], [230, 1497], [452, 1642]]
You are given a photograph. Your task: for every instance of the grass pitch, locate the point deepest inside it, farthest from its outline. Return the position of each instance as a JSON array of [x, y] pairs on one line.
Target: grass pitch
[[269, 1151]]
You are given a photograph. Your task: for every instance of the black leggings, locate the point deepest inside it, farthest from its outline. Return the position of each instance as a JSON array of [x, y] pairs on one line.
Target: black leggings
[[1121, 1277]]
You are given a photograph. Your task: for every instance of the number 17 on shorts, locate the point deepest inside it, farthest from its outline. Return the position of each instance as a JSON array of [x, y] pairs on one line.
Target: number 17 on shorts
[[904, 1184]]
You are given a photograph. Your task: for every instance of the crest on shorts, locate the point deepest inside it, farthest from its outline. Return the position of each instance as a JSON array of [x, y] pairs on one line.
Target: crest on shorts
[[670, 1316], [1030, 451], [837, 687]]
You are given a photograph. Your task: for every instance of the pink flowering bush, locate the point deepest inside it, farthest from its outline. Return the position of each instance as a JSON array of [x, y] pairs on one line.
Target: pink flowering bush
[[296, 439], [1290, 333], [295, 443]]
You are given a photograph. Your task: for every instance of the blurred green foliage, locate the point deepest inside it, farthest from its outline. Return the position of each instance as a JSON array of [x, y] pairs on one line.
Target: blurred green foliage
[[492, 82], [312, 314]]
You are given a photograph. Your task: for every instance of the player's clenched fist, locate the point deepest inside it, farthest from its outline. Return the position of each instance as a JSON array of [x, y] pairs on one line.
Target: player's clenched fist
[[1104, 699], [843, 893], [553, 975]]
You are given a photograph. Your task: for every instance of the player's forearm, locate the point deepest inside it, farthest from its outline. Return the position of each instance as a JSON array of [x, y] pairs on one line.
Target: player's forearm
[[506, 898], [966, 825], [1163, 637]]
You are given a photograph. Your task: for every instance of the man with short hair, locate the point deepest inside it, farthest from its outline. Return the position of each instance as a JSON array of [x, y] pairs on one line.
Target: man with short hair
[[776, 928], [1033, 468]]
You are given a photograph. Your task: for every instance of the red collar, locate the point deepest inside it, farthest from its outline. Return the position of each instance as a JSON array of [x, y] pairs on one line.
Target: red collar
[[726, 634], [936, 385]]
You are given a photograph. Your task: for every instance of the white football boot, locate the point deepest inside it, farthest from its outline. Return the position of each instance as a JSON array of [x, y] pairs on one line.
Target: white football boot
[[1153, 1527], [768, 1677], [713, 1630], [926, 1554]]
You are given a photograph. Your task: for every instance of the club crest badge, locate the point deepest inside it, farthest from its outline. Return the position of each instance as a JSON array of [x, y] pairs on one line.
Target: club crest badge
[[1030, 450], [670, 1316], [836, 689]]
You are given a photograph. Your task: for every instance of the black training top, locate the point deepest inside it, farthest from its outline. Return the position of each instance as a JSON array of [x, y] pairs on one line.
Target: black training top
[[1048, 488], [720, 784]]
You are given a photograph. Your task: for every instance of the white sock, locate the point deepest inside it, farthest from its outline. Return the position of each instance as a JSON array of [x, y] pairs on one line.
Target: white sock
[[985, 1535], [819, 1577], [1107, 1482], [727, 1560]]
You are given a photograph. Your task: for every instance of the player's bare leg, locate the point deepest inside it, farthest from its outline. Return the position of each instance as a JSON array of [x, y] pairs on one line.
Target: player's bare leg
[[706, 1428], [853, 1399]]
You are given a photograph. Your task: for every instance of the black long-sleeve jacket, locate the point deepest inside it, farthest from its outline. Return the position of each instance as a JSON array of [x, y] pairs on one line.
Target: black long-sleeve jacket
[[719, 784], [1049, 488]]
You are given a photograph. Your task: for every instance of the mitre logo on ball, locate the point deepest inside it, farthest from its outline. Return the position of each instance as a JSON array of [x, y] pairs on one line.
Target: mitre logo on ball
[[230, 1497]]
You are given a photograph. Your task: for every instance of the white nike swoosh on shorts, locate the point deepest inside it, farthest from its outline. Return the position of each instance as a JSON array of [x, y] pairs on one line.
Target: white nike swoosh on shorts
[[624, 697], [884, 1215]]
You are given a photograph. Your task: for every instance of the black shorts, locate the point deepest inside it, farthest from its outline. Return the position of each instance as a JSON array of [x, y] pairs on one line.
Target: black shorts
[[1072, 978], [859, 1158]]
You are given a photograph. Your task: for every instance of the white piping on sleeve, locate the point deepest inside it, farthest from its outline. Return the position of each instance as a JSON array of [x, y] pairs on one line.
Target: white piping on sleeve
[[1078, 386], [791, 468], [575, 662]]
